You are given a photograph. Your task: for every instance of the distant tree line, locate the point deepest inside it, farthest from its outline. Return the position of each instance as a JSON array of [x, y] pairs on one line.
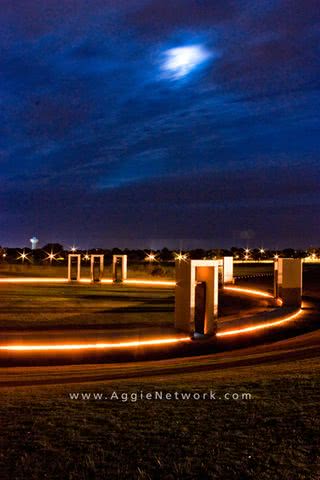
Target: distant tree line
[[54, 253]]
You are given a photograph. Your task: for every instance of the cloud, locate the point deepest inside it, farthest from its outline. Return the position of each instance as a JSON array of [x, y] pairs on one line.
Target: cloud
[[90, 128]]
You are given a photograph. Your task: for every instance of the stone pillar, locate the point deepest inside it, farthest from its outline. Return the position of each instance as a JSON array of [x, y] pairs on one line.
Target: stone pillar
[[190, 275], [275, 279], [227, 276], [119, 259], [76, 256], [96, 278], [289, 281]]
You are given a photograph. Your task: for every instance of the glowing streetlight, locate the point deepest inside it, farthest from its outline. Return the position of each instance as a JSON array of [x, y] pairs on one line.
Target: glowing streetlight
[[180, 257], [86, 257], [73, 248], [246, 257], [247, 251], [51, 256], [262, 251], [276, 256], [151, 257], [23, 256]]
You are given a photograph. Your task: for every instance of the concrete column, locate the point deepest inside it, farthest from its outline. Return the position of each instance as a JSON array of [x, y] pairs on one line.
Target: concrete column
[[189, 274], [72, 256], [124, 268], [289, 281], [275, 279], [227, 270]]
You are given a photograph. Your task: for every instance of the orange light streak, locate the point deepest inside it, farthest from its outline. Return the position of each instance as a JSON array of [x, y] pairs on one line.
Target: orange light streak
[[259, 327], [83, 280], [249, 291], [90, 346], [168, 283], [33, 280]]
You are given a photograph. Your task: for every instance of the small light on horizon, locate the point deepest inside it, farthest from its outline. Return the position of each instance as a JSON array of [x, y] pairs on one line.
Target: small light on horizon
[[180, 257], [23, 256], [151, 257], [51, 256]]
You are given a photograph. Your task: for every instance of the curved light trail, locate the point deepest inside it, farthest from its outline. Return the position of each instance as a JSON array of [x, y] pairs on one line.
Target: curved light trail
[[152, 342], [261, 326], [166, 283], [33, 280], [249, 291], [90, 346]]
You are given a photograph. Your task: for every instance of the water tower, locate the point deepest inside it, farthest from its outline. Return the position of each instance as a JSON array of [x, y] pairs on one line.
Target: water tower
[[34, 241]]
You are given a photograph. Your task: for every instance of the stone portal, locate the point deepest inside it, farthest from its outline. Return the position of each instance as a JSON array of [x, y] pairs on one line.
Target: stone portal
[[196, 303], [96, 268], [74, 267], [119, 268]]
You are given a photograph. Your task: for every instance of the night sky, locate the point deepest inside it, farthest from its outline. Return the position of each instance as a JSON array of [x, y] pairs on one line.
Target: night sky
[[150, 122]]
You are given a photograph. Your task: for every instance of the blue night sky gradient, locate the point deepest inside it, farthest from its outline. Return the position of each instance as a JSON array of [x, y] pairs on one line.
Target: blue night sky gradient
[[103, 145]]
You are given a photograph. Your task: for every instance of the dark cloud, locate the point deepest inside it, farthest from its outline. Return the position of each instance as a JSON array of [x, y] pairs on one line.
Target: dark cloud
[[156, 16]]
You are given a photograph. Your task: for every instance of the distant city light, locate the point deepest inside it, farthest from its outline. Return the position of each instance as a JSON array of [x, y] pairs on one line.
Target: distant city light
[[73, 248], [180, 257], [247, 250], [262, 250], [51, 256], [276, 256], [23, 256], [86, 257], [151, 257]]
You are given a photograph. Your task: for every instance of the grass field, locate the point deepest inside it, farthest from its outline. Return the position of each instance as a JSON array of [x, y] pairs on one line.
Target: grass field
[[134, 271], [39, 306], [46, 434], [58, 270]]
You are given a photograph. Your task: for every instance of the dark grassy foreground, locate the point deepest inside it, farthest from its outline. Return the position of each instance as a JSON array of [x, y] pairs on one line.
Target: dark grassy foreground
[[275, 435]]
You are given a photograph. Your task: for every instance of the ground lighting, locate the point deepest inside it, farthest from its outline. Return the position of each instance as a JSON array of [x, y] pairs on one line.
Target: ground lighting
[[160, 341]]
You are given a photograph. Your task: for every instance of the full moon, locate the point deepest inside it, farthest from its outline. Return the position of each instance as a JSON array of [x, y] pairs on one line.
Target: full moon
[[180, 61]]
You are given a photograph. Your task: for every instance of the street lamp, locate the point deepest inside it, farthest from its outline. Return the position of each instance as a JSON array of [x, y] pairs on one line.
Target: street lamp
[[180, 257], [22, 256]]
